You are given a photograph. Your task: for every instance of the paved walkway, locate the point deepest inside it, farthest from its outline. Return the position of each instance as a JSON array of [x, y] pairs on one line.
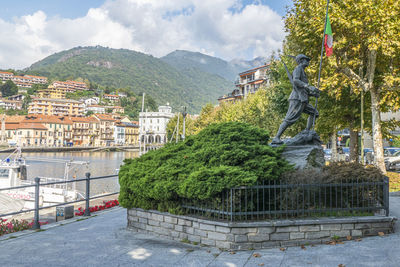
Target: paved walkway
[[103, 240]]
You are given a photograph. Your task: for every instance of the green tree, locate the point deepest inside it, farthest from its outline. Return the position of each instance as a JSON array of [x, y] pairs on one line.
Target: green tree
[[366, 51], [8, 89], [89, 113]]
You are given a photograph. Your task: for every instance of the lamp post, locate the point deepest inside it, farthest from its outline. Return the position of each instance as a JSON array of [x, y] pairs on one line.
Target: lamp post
[[184, 113]]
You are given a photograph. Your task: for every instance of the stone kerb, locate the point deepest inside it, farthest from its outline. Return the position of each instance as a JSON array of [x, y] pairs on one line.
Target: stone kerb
[[255, 235]]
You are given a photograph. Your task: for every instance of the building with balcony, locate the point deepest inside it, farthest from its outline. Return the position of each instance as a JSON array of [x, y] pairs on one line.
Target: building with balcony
[[26, 134], [131, 133], [153, 125], [54, 92], [249, 81], [70, 85], [119, 133], [57, 107], [95, 109], [112, 98], [10, 104], [37, 79], [106, 129], [85, 131], [4, 75]]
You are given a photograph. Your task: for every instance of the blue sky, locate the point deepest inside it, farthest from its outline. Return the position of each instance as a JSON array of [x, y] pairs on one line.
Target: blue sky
[[224, 28]]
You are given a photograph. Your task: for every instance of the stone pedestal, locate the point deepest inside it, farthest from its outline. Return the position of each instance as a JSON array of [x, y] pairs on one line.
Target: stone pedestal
[[304, 150], [305, 157]]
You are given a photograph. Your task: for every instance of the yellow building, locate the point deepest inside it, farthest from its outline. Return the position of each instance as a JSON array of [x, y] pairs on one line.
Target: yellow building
[[85, 131], [54, 92], [131, 133], [57, 107]]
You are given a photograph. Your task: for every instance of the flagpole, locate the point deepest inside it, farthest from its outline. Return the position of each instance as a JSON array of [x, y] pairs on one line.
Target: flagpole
[[320, 62]]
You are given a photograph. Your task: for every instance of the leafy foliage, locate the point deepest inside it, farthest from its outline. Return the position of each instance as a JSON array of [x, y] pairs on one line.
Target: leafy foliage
[[122, 68], [8, 88], [221, 156]]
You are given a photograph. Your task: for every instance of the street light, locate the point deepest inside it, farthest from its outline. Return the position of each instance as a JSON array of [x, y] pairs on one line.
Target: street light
[[184, 113]]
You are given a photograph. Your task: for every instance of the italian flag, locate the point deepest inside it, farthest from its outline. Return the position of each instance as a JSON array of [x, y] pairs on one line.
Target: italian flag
[[328, 41]]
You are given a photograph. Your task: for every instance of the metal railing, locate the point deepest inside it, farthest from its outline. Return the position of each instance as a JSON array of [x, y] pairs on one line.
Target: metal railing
[[37, 185], [275, 200]]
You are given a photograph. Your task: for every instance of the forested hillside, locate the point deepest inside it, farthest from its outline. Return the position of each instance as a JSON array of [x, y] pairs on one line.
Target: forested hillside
[[122, 68]]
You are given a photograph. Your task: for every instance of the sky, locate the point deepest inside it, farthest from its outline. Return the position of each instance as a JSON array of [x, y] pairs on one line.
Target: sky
[[228, 29]]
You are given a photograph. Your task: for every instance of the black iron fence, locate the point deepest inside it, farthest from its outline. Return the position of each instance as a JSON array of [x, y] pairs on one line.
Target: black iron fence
[[37, 185], [275, 200]]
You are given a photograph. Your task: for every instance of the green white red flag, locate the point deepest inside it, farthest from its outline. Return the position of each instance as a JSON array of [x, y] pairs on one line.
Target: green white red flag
[[328, 41]]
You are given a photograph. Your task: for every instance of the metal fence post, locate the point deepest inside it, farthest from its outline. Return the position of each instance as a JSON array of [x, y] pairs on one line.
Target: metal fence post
[[87, 210], [386, 195], [36, 224]]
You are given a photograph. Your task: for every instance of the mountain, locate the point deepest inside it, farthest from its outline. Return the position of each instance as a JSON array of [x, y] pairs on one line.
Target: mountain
[[118, 68], [186, 60]]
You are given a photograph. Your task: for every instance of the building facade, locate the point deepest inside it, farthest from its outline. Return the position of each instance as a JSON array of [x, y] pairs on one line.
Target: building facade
[[56, 107], [153, 125]]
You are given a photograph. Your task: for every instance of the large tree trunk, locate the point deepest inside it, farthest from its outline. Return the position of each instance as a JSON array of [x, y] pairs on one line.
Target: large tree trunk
[[353, 144], [376, 131], [334, 156]]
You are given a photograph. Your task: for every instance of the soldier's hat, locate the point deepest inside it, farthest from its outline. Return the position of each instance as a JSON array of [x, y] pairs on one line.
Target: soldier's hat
[[299, 57]]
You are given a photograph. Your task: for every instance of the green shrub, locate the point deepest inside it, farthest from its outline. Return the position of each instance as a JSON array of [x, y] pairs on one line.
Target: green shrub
[[221, 156], [345, 196]]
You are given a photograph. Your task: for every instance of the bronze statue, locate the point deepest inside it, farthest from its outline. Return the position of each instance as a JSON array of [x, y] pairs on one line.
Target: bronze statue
[[298, 100]]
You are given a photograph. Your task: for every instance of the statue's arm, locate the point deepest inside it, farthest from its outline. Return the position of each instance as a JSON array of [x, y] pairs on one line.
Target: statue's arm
[[311, 90], [297, 80]]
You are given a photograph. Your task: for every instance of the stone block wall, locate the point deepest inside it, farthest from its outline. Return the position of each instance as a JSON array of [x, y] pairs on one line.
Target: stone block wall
[[256, 235]]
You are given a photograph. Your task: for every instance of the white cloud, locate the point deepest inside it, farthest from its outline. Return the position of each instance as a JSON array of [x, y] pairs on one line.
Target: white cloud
[[222, 28]]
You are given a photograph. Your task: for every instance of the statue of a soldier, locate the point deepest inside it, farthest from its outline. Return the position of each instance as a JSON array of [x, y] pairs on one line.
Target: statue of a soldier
[[298, 100]]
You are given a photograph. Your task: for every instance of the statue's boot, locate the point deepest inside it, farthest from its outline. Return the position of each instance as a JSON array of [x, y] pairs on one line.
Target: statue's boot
[[277, 139]]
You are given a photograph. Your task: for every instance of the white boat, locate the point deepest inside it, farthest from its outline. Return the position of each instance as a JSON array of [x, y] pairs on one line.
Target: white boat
[[13, 172]]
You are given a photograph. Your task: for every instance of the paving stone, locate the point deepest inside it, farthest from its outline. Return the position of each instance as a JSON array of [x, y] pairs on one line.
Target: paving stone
[[266, 230], [153, 222], [356, 233]]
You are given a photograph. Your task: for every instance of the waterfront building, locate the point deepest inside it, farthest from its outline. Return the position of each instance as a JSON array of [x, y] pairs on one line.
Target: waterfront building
[[131, 133], [26, 134], [85, 131], [119, 133], [59, 129], [153, 125], [106, 129], [57, 107]]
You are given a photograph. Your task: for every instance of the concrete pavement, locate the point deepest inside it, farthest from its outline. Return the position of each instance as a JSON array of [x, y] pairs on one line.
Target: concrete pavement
[[103, 240]]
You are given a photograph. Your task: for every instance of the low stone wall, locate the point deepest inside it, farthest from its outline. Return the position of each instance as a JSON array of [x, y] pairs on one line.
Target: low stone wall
[[256, 235]]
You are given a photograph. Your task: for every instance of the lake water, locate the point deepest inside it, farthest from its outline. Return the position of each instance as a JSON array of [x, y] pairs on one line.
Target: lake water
[[100, 164]]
